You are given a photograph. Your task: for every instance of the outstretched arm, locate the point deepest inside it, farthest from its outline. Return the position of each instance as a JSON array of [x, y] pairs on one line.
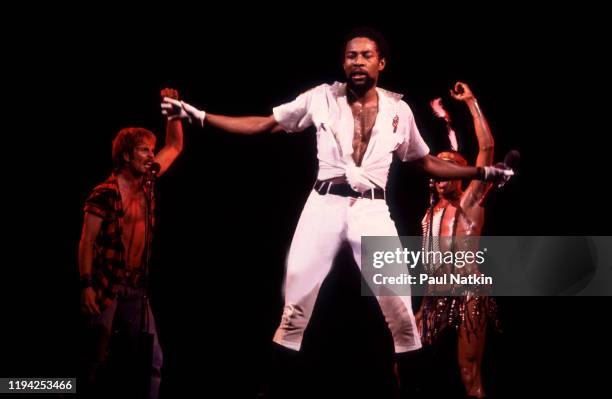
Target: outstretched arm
[[232, 124], [443, 170], [244, 124]]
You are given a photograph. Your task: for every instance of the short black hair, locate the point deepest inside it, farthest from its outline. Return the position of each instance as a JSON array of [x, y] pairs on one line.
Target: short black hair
[[372, 34]]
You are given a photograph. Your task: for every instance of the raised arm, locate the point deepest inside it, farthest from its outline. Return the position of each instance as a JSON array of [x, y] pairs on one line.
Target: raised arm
[[477, 188], [173, 144]]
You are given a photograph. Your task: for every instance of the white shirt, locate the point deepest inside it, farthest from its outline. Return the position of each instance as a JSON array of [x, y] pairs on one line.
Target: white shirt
[[327, 108]]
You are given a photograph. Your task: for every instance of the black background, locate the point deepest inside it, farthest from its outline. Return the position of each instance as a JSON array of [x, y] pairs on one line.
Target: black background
[[229, 205]]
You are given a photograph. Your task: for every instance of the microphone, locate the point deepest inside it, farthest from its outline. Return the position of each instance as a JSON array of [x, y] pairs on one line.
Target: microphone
[[153, 171], [512, 159], [155, 168]]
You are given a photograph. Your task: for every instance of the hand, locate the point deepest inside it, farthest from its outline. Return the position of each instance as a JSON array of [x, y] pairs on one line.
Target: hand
[[462, 92], [175, 109], [498, 174], [171, 93], [88, 302]]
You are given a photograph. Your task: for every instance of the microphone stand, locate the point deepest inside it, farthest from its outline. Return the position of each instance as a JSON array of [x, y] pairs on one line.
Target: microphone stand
[[432, 202], [428, 238], [428, 235], [146, 338]]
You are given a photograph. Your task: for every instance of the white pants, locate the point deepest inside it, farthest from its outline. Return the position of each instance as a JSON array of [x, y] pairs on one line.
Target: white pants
[[327, 221]]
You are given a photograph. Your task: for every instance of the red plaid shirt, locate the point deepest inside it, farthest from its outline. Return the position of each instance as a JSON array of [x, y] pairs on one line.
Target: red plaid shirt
[[109, 268]]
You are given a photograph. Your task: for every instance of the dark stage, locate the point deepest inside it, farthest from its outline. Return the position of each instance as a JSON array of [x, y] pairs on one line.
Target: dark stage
[[229, 205]]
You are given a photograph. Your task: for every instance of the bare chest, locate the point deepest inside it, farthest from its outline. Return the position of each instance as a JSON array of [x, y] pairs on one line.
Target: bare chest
[[133, 227], [133, 207], [456, 222], [364, 118]]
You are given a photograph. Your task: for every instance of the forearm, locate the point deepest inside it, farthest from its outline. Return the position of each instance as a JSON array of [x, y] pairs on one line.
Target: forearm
[[88, 294], [85, 258], [483, 134], [477, 190], [174, 134], [443, 170], [242, 124], [172, 147]]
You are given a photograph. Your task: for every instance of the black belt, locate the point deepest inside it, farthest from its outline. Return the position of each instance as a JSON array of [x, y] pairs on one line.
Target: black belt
[[344, 190], [133, 278]]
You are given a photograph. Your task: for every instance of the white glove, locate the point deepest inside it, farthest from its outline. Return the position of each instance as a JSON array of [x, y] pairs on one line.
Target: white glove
[[175, 109], [499, 174]]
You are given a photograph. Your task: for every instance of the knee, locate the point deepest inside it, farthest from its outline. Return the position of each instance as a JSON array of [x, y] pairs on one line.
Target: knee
[[158, 359], [467, 375], [467, 366], [468, 359]]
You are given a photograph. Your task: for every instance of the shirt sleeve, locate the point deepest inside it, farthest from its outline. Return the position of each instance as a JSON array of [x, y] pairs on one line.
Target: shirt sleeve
[[296, 115], [414, 146], [100, 203]]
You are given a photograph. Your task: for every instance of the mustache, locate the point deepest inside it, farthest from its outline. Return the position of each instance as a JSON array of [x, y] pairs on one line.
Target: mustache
[[358, 72]]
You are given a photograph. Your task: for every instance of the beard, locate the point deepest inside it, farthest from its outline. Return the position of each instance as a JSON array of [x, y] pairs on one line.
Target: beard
[[138, 168], [361, 86]]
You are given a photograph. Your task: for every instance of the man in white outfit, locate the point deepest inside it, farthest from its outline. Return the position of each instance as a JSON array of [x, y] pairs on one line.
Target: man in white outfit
[[359, 127]]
